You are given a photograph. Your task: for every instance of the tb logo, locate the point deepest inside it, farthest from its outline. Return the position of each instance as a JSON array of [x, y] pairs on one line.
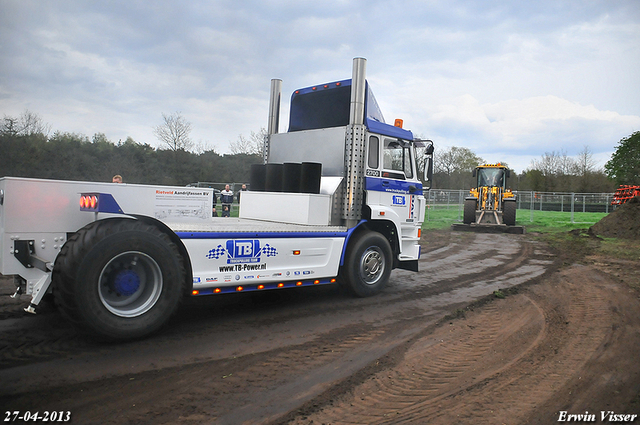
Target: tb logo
[[243, 249], [398, 200]]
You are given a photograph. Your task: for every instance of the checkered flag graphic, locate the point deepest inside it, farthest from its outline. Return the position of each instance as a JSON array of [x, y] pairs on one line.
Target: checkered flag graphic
[[269, 251], [216, 253]]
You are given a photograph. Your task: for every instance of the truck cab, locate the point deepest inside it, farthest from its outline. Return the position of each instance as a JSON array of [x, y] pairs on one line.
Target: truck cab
[[369, 167]]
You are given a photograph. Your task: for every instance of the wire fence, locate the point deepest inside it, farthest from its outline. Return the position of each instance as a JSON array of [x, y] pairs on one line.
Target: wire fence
[[453, 200], [569, 203]]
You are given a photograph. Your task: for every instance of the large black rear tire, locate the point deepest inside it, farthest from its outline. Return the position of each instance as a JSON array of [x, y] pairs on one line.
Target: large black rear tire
[[119, 279], [368, 264], [469, 215], [509, 213]]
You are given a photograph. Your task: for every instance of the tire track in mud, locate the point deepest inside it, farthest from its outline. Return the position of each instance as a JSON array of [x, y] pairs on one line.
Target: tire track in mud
[[476, 262], [461, 373], [232, 378]]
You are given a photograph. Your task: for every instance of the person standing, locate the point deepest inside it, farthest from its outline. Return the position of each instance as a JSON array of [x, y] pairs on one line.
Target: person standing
[[117, 179], [244, 188], [226, 199]]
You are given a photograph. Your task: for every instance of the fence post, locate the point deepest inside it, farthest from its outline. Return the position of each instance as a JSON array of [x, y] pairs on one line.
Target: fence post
[[573, 198], [540, 201], [531, 205]]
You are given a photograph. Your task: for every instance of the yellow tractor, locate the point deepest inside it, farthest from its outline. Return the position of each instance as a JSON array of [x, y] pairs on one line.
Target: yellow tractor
[[490, 205]]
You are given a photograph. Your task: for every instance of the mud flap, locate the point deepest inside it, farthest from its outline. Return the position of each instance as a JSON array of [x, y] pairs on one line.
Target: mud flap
[[411, 265]]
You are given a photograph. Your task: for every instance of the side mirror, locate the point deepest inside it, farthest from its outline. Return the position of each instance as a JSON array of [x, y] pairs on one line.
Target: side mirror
[[429, 149], [428, 172]]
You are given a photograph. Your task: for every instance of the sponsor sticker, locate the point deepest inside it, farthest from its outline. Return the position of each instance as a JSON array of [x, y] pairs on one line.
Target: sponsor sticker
[[241, 251], [398, 200]]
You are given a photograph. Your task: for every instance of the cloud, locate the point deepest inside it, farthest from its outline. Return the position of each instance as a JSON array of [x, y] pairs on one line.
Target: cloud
[[527, 127]]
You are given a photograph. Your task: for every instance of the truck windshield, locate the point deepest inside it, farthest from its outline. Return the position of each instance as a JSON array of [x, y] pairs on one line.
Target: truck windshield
[[490, 177]]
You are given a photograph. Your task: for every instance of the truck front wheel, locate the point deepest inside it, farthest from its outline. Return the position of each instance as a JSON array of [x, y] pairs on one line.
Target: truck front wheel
[[367, 264], [119, 279]]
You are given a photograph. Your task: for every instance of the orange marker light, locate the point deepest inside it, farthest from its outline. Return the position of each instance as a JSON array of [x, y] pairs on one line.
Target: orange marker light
[[398, 123], [260, 286], [195, 292], [280, 285], [315, 282], [296, 252], [298, 283], [239, 288], [217, 290], [333, 281], [419, 232]]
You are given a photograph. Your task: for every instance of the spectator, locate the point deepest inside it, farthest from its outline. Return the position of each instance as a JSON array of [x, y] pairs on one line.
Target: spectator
[[244, 187], [215, 201], [116, 179], [226, 199]]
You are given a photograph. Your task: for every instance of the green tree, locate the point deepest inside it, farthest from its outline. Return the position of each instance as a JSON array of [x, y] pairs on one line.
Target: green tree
[[624, 165], [453, 167]]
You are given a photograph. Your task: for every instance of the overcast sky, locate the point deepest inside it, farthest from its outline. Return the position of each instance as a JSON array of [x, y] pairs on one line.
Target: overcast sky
[[508, 80]]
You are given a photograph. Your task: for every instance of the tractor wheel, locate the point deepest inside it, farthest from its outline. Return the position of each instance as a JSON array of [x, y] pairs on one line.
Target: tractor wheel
[[119, 279], [469, 211], [509, 213], [368, 264]]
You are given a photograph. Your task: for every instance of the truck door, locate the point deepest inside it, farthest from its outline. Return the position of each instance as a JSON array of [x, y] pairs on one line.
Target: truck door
[[391, 179]]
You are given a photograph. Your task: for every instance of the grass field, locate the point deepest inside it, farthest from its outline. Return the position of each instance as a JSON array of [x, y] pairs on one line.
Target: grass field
[[534, 221]]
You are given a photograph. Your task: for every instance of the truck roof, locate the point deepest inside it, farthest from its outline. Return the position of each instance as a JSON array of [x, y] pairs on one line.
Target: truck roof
[[328, 105]]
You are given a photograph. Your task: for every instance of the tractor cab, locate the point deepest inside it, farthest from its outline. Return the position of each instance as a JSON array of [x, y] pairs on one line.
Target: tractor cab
[[491, 176]]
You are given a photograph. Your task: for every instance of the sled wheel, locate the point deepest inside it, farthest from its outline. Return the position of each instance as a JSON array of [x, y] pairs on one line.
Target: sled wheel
[[119, 279], [469, 215], [367, 264], [509, 213]]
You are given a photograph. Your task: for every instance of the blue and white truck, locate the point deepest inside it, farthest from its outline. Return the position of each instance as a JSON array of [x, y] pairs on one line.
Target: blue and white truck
[[338, 199]]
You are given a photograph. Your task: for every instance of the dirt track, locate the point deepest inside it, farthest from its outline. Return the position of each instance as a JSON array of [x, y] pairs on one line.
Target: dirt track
[[434, 347]]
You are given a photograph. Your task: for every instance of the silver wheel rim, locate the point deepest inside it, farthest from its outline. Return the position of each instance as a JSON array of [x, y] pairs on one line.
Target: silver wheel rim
[[130, 284], [372, 265]]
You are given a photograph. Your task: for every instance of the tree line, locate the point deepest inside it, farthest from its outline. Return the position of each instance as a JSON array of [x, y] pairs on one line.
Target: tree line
[[553, 172], [28, 150]]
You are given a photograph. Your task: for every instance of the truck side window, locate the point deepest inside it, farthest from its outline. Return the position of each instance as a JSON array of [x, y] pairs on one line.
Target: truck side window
[[374, 145], [396, 157]]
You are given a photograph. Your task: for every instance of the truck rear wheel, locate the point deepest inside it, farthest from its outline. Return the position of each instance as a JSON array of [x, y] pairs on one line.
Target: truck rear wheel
[[469, 215], [509, 213], [367, 264], [119, 279]]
